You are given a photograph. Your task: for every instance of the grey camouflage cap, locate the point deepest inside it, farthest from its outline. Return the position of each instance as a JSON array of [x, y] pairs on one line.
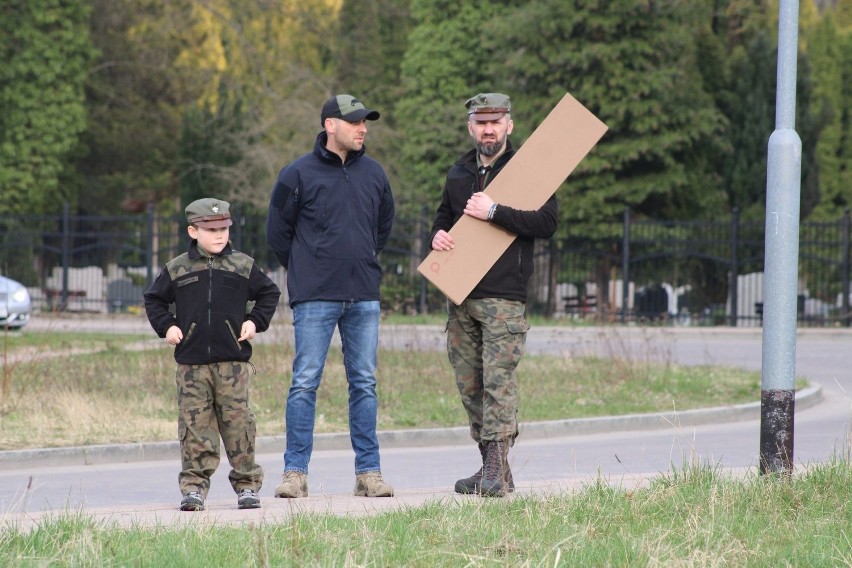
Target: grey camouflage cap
[[209, 212], [488, 106]]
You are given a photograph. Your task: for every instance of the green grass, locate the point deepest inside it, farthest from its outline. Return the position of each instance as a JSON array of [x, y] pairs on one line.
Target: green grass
[[64, 340], [696, 516], [117, 395]]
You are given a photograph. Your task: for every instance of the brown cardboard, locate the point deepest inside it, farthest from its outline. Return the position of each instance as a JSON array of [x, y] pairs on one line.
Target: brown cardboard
[[529, 179]]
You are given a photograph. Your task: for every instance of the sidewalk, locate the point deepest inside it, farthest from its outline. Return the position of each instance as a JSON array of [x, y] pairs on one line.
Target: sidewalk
[[224, 512]]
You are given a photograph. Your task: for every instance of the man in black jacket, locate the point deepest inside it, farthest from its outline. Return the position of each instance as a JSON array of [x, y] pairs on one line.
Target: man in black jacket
[[210, 286], [486, 333], [330, 215]]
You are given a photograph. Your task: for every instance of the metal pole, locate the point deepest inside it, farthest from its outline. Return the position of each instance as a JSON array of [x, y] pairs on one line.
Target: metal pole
[[781, 259], [150, 247], [625, 265], [845, 269], [735, 269], [66, 254]]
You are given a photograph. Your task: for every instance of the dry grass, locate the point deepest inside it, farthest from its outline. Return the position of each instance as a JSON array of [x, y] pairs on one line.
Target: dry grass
[[112, 391]]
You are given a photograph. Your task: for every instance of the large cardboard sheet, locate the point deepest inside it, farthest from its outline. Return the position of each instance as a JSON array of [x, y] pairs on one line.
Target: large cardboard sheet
[[533, 174]]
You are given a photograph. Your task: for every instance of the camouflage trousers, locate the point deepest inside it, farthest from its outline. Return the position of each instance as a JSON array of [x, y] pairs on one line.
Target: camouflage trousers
[[485, 343], [213, 401]]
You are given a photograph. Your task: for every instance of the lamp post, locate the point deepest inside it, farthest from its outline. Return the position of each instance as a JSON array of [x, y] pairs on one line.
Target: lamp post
[[783, 182]]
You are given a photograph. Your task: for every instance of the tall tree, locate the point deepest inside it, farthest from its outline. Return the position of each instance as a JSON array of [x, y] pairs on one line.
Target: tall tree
[[370, 42], [371, 39], [830, 51], [224, 87], [632, 63], [446, 63], [45, 49], [743, 39], [276, 67], [136, 95]]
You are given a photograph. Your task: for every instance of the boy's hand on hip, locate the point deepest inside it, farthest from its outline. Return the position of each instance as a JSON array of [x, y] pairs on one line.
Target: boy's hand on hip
[[248, 331], [174, 335]]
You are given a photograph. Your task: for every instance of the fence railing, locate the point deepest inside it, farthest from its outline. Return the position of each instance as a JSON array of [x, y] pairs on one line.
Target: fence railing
[[683, 273]]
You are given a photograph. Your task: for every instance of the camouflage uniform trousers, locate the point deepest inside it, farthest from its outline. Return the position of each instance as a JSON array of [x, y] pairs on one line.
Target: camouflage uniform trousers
[[213, 401], [485, 343]]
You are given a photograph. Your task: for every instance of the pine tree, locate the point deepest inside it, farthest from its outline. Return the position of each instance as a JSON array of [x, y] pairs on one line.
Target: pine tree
[[830, 51], [446, 63], [632, 63]]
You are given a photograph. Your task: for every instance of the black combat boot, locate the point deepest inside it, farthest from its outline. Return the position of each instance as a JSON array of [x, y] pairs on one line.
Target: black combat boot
[[470, 485], [495, 471]]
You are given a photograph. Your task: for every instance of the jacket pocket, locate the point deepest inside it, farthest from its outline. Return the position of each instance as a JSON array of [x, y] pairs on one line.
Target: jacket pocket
[[234, 335]]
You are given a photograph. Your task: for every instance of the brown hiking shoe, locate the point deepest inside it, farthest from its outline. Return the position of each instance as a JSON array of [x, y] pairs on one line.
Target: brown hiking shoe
[[293, 484], [371, 484]]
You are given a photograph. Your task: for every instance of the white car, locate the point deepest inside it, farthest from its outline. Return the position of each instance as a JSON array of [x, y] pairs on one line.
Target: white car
[[15, 304]]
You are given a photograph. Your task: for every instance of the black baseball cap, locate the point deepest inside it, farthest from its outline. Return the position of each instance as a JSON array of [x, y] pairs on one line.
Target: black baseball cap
[[348, 108]]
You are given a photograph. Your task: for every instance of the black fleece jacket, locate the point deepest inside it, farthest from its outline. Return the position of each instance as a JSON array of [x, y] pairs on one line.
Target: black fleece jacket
[[210, 297], [509, 276], [328, 221]]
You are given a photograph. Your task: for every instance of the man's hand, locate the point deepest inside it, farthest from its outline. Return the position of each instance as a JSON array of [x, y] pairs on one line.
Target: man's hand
[[248, 330], [478, 206], [174, 335], [443, 241]]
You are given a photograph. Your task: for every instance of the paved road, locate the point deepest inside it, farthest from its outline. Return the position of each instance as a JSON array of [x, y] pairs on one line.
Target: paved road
[[564, 458]]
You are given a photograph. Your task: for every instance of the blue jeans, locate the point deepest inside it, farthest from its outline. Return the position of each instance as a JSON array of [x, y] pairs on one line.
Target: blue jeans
[[314, 324]]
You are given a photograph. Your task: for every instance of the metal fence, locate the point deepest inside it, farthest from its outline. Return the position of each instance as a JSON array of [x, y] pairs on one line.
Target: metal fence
[[679, 273]]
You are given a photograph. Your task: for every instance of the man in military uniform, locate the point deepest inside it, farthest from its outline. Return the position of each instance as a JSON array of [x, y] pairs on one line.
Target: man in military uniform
[[210, 286], [486, 333]]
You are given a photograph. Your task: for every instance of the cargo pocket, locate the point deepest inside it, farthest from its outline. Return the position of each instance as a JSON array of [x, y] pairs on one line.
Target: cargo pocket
[[517, 325]]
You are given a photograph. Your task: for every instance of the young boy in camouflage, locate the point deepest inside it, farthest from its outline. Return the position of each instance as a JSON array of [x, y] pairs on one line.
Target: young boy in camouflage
[[210, 286]]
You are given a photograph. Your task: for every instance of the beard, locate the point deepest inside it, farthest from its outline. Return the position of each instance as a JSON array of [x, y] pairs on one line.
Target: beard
[[489, 149]]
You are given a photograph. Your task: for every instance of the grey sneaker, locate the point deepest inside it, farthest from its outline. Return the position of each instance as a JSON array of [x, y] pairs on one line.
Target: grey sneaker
[[371, 484], [293, 484], [248, 499], [192, 501]]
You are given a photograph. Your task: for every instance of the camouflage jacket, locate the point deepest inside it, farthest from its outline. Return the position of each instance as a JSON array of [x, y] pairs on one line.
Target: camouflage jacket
[[211, 298]]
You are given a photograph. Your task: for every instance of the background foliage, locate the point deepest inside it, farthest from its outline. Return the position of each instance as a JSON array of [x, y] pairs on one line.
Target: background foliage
[[113, 105]]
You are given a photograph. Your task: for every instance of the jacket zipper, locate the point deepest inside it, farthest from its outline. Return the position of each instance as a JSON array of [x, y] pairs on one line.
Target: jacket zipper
[[209, 303]]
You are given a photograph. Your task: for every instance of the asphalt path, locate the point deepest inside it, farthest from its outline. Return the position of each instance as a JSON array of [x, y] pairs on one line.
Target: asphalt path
[[626, 453]]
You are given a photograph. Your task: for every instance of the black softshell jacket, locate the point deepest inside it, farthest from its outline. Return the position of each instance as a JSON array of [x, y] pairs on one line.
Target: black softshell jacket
[[328, 221], [210, 297]]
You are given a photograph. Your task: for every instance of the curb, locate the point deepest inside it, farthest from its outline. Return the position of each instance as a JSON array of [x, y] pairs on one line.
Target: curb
[[422, 437]]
